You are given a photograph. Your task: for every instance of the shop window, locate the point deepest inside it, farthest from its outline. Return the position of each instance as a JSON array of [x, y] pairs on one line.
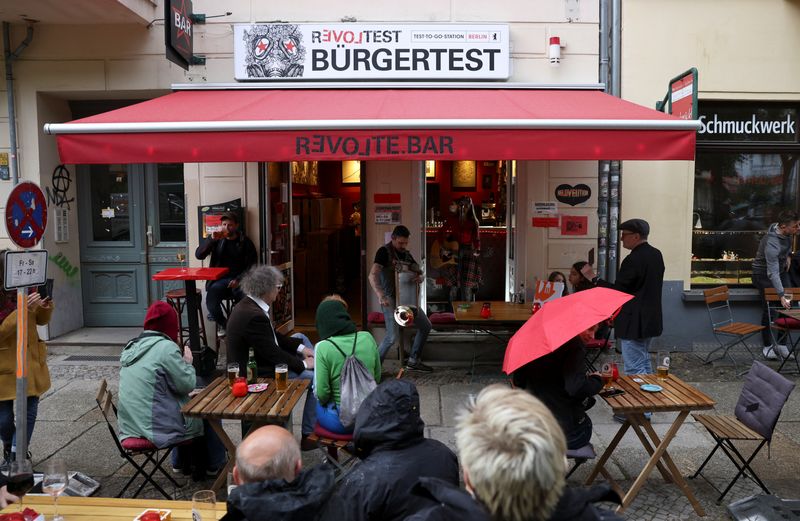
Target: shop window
[[736, 197]]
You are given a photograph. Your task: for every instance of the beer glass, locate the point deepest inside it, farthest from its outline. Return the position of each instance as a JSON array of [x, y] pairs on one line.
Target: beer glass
[[281, 377], [204, 505], [662, 365], [233, 372], [606, 375]]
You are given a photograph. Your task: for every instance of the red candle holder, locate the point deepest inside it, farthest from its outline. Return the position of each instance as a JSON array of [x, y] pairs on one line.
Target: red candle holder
[[239, 387]]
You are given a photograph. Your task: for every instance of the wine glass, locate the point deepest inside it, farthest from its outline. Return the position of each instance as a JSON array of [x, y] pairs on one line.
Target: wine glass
[[55, 482], [204, 505], [20, 477]]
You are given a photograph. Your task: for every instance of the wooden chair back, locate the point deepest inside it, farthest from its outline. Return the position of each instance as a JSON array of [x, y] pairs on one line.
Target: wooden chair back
[[718, 294], [718, 306], [771, 294]]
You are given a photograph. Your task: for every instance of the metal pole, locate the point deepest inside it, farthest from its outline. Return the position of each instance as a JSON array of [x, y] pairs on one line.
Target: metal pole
[[22, 373], [12, 118], [615, 172], [602, 166]]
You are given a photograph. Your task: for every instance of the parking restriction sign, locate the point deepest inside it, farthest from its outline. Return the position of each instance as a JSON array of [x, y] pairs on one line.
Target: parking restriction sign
[[26, 214]]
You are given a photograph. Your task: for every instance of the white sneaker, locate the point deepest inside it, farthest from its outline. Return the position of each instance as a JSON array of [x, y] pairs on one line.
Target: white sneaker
[[769, 353], [782, 350]]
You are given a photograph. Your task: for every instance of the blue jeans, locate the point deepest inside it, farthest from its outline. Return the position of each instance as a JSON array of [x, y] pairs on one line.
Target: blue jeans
[[636, 355], [8, 431], [421, 322], [328, 419], [216, 292], [215, 453]]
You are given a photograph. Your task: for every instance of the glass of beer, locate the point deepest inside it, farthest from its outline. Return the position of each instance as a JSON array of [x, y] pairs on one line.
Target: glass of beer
[[233, 372], [281, 377], [662, 365], [606, 375]]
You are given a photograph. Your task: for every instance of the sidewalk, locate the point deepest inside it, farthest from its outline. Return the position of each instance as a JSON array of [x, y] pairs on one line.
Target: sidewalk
[[70, 424]]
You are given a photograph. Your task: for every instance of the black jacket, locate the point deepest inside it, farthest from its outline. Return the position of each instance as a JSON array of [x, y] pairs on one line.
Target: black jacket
[[248, 327], [559, 379], [237, 254], [641, 275], [450, 503], [308, 497], [389, 438]]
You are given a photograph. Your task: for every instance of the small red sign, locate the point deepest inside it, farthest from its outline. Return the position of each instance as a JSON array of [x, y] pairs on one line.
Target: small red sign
[[682, 96], [574, 225], [386, 198], [549, 221], [26, 214]]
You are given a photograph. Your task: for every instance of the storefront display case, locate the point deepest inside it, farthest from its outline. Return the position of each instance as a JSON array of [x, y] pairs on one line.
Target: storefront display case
[[723, 257]]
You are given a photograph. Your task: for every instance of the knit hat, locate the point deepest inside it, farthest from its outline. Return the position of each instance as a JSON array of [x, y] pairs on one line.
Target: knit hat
[[162, 318], [333, 320]]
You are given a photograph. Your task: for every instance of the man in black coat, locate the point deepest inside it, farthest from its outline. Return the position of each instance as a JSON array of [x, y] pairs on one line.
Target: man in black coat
[[641, 275], [389, 438]]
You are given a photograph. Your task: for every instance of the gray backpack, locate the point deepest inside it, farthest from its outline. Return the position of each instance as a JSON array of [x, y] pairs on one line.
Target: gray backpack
[[356, 382]]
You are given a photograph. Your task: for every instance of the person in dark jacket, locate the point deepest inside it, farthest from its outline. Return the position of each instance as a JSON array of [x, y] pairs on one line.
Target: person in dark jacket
[[251, 327], [512, 455], [232, 249], [560, 380], [771, 270], [641, 275], [271, 482], [389, 440]]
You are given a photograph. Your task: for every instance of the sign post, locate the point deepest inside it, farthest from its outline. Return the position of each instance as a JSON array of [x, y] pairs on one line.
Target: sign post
[[681, 98], [26, 220]]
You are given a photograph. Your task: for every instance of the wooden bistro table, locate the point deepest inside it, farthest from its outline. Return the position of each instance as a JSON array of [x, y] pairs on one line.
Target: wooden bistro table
[[677, 396], [189, 276], [504, 314], [107, 508], [216, 402]]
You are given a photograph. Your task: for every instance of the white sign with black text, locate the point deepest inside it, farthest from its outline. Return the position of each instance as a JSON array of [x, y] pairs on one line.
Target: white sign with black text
[[25, 268], [341, 51]]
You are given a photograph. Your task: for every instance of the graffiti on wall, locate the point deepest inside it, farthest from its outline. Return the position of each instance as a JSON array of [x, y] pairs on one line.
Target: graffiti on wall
[[61, 181], [64, 265]]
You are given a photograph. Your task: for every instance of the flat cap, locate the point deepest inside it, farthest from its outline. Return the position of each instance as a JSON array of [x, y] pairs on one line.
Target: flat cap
[[639, 226]]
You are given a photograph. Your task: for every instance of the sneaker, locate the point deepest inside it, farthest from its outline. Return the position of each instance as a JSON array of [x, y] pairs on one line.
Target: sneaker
[[769, 352], [221, 332], [782, 350], [414, 365]]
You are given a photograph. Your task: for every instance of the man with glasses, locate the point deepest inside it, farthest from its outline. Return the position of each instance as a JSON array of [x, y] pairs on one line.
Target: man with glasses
[[641, 275], [771, 270]]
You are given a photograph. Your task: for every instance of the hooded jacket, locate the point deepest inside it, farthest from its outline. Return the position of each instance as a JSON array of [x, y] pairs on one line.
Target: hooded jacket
[[154, 383], [389, 438], [770, 260], [306, 498], [449, 503]]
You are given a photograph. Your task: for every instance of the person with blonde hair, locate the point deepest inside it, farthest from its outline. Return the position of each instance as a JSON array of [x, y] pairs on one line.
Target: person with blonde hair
[[512, 453]]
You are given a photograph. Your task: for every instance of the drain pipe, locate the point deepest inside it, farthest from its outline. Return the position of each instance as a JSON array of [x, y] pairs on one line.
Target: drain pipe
[[603, 166], [22, 293], [12, 115], [615, 169]]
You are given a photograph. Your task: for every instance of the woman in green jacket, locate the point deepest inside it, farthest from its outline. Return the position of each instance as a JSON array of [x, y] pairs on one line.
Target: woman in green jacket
[[335, 328]]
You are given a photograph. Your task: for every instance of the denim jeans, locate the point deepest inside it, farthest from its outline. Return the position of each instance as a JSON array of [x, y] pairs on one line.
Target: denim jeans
[[761, 281], [214, 452], [636, 355], [421, 322], [216, 292], [328, 419], [581, 434], [8, 431]]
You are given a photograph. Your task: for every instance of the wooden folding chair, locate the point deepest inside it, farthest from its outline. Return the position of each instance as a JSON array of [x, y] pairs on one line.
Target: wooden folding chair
[[331, 444], [760, 403], [129, 448], [727, 331], [782, 323]]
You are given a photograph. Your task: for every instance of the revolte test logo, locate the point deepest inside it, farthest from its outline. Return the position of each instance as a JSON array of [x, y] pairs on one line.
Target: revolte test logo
[[274, 51]]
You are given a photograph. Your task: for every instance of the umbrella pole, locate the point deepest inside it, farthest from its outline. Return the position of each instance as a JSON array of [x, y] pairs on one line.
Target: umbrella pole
[[22, 373]]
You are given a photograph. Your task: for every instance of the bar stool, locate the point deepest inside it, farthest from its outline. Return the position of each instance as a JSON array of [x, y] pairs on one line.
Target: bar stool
[[177, 299]]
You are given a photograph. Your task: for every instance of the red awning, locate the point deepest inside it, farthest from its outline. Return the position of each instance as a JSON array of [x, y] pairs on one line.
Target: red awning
[[385, 124]]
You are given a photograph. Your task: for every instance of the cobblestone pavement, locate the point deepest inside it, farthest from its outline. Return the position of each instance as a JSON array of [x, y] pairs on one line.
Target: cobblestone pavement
[[70, 424]]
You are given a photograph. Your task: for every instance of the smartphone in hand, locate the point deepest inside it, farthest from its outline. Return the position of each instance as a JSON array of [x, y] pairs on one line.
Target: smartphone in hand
[[611, 392], [46, 290]]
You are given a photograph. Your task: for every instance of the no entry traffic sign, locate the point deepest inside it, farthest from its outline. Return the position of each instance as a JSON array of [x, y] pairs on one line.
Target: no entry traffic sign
[[26, 214]]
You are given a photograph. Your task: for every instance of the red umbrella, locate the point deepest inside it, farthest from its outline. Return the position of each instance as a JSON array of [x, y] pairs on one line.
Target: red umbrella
[[558, 321]]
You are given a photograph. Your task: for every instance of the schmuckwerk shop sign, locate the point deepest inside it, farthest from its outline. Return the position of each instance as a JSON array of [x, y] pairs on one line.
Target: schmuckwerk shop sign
[[345, 51]]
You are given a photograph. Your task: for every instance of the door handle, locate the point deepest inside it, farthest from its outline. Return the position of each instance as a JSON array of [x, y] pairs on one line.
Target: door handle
[[149, 235]]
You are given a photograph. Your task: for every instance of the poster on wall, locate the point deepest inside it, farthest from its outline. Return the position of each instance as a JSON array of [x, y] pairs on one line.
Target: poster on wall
[[209, 217], [574, 225], [573, 195], [387, 214], [545, 214]]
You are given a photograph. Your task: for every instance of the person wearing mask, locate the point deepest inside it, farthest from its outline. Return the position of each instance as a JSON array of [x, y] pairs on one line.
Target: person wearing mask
[[339, 339], [557, 276], [771, 270], [229, 248], [271, 482], [155, 379], [39, 312]]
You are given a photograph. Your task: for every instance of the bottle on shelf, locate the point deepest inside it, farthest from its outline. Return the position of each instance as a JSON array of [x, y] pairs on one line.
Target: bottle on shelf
[[521, 294], [252, 367]]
